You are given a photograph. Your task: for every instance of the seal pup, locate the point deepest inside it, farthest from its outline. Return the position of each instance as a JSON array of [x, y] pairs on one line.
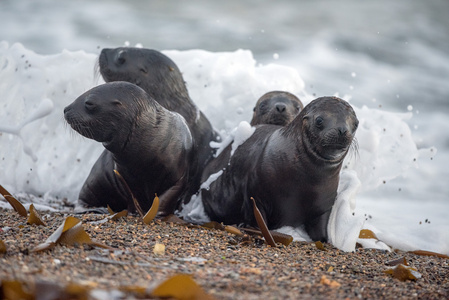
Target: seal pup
[[277, 108], [150, 146], [291, 171], [161, 78]]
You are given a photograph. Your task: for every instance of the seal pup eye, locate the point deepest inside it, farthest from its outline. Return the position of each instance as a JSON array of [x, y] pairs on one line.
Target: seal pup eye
[[143, 70], [319, 122]]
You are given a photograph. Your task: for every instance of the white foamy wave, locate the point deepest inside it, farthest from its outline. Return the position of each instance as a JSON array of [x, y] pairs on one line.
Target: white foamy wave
[[39, 154], [194, 211], [344, 225], [237, 137]]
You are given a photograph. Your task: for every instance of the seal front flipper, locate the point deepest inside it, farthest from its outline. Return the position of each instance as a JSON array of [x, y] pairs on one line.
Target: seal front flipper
[[169, 199], [102, 188], [317, 227]]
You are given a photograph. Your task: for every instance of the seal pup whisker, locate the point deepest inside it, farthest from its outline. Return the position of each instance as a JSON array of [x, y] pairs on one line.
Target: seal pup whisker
[[354, 150], [97, 73]]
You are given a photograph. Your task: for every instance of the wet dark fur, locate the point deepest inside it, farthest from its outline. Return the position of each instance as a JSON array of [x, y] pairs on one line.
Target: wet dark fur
[[150, 146], [292, 171], [276, 108], [159, 76]]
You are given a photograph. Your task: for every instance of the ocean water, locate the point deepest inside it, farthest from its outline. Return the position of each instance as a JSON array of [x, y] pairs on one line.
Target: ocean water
[[389, 57]]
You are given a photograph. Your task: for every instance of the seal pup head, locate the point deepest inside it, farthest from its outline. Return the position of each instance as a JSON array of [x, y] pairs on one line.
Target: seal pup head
[[109, 113], [153, 71], [328, 126], [277, 108]]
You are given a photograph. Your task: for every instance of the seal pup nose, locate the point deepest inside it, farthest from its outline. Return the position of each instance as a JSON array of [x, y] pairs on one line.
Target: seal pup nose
[[280, 107], [342, 131], [277, 108]]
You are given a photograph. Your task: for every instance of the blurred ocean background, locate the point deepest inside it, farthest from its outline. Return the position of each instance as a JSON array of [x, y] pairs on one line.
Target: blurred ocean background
[[390, 55]]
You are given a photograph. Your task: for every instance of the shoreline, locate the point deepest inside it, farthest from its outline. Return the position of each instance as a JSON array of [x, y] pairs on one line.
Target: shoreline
[[223, 265]]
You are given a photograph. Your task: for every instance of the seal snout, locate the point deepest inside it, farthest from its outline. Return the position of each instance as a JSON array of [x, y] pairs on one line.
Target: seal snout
[[66, 110], [121, 56], [342, 131], [280, 107]]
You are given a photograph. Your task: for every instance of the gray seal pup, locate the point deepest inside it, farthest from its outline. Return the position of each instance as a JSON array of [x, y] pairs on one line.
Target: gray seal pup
[[161, 78], [291, 171], [277, 108], [150, 146]]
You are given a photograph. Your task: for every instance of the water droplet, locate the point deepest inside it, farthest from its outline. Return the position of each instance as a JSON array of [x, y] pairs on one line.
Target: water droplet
[[276, 56], [409, 108], [353, 74]]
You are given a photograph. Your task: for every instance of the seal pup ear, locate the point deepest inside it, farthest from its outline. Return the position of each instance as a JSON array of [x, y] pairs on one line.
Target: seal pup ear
[[117, 102], [89, 104], [143, 70]]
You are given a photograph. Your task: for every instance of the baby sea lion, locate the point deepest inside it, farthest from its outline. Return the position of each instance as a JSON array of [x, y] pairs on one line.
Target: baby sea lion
[[291, 171], [160, 77], [277, 108], [150, 146]]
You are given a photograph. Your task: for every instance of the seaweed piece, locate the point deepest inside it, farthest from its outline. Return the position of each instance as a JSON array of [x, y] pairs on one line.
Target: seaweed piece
[[70, 232], [119, 215], [398, 261], [403, 273], [181, 287], [319, 245], [13, 289], [233, 230], [151, 214], [367, 234], [136, 203], [214, 225], [278, 237], [18, 207], [262, 225], [429, 253], [34, 217]]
